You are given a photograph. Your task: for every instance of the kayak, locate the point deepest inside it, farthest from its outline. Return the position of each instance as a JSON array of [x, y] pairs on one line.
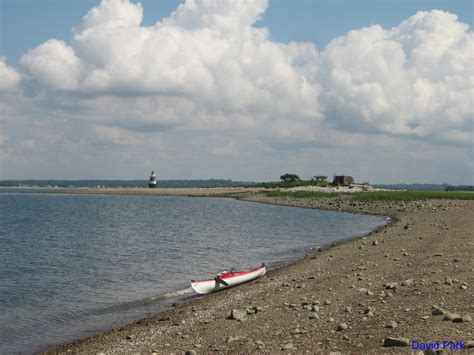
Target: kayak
[[227, 279]]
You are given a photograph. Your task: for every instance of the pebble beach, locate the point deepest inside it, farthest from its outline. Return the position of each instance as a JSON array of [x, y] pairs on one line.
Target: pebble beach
[[395, 290]]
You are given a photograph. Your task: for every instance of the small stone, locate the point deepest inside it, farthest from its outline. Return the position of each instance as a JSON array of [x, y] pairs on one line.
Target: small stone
[[315, 308], [232, 339], [438, 254], [466, 318], [389, 342], [408, 282], [342, 326], [392, 324], [313, 315], [288, 346], [448, 281], [375, 242], [327, 302], [190, 352], [348, 309], [469, 344], [391, 286]]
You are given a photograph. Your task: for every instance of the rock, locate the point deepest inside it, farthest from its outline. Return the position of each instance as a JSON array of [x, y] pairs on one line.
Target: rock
[[391, 286], [327, 302], [288, 346], [313, 315], [454, 317], [296, 331], [392, 324], [437, 311], [438, 254], [369, 311], [389, 342], [448, 281], [348, 309], [315, 308], [342, 326], [250, 311], [408, 282], [190, 352], [232, 339], [238, 314], [375, 242], [469, 344], [362, 290], [466, 318]]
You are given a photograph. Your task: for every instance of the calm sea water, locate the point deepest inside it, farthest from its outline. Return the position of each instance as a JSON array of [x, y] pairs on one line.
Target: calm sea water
[[71, 265]]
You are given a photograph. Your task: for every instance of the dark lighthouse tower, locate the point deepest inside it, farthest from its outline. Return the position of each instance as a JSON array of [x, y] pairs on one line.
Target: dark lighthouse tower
[[152, 184]]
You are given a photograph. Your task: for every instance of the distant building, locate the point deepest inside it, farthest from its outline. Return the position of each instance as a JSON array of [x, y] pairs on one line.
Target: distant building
[[343, 180]]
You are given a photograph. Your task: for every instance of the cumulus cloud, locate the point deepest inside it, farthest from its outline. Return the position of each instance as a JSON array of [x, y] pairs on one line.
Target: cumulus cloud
[[207, 51], [9, 77], [414, 79]]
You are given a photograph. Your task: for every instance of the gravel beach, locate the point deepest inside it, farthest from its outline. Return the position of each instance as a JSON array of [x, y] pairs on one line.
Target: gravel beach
[[408, 284]]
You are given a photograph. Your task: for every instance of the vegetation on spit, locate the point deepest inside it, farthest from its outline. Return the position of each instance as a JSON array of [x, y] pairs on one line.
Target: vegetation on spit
[[411, 195], [301, 194]]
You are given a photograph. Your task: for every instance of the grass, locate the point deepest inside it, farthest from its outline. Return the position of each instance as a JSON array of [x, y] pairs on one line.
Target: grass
[[301, 194], [411, 195], [288, 184]]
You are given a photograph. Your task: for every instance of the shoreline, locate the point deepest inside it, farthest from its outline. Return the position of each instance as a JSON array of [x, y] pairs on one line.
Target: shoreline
[[284, 324]]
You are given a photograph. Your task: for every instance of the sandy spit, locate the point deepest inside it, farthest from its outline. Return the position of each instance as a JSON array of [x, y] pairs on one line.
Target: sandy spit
[[346, 298]]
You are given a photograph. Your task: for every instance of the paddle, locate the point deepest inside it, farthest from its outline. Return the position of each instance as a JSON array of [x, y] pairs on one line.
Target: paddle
[[218, 280]]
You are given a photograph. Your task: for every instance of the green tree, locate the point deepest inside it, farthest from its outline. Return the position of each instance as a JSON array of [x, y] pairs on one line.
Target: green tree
[[290, 177]]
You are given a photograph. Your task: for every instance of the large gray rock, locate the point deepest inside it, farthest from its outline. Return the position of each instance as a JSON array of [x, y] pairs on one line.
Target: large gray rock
[[238, 314], [454, 317]]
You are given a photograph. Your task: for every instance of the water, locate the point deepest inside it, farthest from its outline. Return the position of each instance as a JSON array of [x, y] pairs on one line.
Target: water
[[71, 265]]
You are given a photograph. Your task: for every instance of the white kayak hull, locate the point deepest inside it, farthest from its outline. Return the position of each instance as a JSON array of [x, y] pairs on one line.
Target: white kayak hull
[[226, 280]]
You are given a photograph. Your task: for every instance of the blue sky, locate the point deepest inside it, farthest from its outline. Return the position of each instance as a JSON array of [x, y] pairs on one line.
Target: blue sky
[[27, 23], [244, 90]]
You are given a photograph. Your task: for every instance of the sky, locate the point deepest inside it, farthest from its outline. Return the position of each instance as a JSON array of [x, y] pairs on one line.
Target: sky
[[244, 90]]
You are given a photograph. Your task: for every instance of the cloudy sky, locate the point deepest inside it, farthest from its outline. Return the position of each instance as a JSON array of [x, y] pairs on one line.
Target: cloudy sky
[[246, 90]]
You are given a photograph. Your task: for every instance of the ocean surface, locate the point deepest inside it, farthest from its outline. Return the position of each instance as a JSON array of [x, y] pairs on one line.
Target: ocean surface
[[73, 265]]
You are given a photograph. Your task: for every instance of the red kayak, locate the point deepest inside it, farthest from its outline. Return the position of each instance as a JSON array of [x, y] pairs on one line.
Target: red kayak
[[227, 279]]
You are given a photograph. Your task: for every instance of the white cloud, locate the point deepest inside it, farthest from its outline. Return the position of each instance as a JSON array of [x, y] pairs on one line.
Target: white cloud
[[9, 77], [415, 79], [206, 51]]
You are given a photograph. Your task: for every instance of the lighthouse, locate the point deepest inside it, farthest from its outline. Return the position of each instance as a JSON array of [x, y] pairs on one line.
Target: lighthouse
[[152, 184]]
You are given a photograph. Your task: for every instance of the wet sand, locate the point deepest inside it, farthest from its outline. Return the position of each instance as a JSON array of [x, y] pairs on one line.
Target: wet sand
[[345, 298]]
